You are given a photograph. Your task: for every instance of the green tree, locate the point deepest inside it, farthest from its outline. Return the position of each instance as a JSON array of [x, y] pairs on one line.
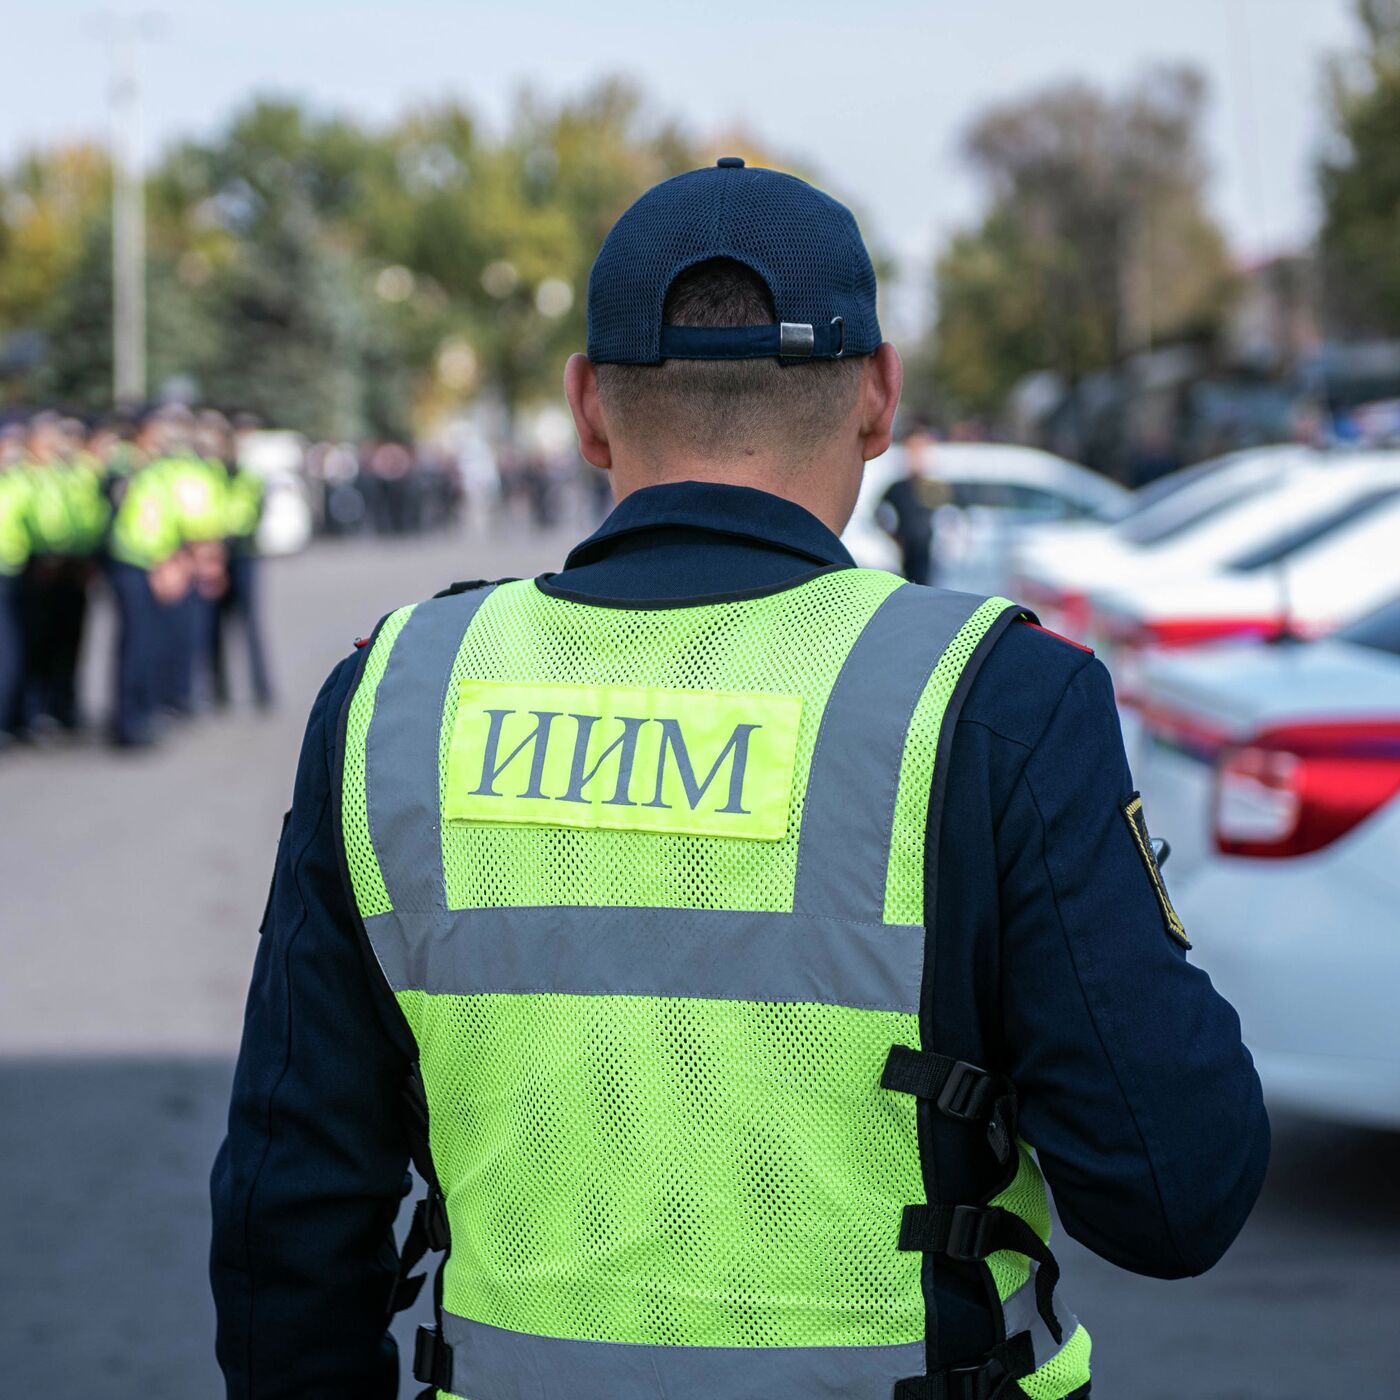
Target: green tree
[[1096, 241], [1360, 179], [260, 227], [336, 277]]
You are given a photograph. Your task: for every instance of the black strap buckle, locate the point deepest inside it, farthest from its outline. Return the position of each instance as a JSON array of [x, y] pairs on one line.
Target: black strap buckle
[[965, 1092], [961, 1091], [991, 1378], [432, 1359], [964, 1233], [970, 1233], [975, 1382]]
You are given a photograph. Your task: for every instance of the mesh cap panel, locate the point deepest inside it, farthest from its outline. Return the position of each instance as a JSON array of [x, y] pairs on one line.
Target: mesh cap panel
[[804, 245]]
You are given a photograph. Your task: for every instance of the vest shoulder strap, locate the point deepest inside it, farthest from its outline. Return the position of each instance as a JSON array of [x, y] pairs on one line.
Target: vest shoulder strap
[[888, 721]]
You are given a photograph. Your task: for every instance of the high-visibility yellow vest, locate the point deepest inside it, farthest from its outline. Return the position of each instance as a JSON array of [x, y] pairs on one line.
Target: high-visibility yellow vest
[[197, 488], [88, 507], [146, 525], [244, 495], [52, 529], [15, 541], [649, 887]]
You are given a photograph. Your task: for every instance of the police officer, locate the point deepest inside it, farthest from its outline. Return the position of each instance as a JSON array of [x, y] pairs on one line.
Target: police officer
[[910, 504], [195, 487], [148, 579], [45, 613], [81, 478], [737, 940], [244, 495], [15, 545]]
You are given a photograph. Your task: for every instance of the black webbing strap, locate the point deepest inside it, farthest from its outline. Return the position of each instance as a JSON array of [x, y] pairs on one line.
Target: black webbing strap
[[432, 1359], [971, 1233], [413, 1113], [958, 1090], [991, 1378], [427, 1230]]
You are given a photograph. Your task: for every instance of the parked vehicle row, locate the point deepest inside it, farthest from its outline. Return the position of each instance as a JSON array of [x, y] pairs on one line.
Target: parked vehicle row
[[1275, 773], [1249, 610], [994, 492]]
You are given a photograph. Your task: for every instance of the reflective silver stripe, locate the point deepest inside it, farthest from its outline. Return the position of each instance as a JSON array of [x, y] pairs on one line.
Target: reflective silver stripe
[[1020, 1315], [490, 1363], [401, 752], [723, 953], [848, 814]]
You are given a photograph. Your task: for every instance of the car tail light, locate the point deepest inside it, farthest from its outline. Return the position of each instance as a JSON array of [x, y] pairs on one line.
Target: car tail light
[[1173, 634], [1291, 791]]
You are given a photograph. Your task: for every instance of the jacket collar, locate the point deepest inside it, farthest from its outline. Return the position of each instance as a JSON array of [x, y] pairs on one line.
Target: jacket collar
[[739, 512]]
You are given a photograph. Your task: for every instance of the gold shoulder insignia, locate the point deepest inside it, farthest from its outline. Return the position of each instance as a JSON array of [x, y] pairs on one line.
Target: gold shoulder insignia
[[1137, 824]]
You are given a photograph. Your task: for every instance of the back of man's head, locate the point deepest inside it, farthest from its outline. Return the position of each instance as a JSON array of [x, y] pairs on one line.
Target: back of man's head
[[733, 337], [725, 410]]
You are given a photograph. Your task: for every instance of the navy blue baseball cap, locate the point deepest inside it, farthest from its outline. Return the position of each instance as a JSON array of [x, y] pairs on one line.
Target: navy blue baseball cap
[[801, 242]]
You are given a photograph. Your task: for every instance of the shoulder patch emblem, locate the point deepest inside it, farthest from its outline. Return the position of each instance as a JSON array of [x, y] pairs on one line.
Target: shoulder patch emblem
[[1137, 824]]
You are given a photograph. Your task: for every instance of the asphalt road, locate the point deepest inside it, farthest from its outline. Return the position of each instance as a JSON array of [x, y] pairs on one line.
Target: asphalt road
[[130, 889]]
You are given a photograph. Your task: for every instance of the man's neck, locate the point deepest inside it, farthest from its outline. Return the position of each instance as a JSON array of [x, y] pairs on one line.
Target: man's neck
[[814, 487]]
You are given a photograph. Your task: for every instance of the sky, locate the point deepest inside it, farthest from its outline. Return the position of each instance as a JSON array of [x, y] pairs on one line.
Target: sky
[[873, 96]]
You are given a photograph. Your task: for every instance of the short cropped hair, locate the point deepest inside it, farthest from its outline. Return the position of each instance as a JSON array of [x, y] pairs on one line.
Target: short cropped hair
[[725, 408]]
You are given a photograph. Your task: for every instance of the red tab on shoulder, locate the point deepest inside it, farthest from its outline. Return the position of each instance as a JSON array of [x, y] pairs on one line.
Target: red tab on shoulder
[[1068, 640], [361, 642]]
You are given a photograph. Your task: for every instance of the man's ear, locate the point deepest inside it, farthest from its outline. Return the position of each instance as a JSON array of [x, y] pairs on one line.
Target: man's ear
[[581, 389], [884, 378]]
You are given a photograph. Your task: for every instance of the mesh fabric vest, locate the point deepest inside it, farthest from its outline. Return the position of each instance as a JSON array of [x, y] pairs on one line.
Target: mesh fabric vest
[[648, 884]]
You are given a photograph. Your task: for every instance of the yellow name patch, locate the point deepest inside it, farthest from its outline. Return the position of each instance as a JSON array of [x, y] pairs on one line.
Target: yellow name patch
[[695, 762]]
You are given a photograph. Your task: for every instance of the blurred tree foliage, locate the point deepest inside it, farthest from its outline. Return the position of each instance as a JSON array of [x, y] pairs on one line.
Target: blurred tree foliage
[[330, 276], [1096, 241], [1360, 179]]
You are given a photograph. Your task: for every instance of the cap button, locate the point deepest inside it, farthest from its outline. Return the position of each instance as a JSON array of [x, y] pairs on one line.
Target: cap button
[[730, 162]]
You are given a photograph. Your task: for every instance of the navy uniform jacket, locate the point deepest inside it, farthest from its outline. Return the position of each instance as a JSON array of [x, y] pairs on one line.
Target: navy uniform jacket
[[1055, 966]]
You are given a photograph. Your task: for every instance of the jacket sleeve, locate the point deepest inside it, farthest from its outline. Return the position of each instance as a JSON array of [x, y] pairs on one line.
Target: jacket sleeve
[[1136, 1089], [309, 1179]]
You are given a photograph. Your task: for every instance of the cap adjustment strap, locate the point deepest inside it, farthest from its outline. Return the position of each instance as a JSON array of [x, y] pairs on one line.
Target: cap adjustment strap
[[793, 340]]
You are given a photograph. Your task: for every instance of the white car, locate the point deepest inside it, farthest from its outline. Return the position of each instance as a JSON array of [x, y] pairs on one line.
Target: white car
[[1274, 773], [277, 457], [995, 490], [1305, 559], [1056, 567]]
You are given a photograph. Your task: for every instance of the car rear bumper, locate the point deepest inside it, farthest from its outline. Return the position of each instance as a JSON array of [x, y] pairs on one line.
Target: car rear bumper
[[1308, 951]]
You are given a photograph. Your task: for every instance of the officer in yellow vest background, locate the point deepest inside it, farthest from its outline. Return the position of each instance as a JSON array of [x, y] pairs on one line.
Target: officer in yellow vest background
[[15, 549], [68, 517], [738, 942], [244, 496], [149, 578]]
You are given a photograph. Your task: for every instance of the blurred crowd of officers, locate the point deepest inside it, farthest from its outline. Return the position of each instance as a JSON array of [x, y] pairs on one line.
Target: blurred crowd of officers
[[161, 510]]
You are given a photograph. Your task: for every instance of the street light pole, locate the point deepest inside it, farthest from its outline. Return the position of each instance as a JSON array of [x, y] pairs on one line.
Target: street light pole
[[128, 213]]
